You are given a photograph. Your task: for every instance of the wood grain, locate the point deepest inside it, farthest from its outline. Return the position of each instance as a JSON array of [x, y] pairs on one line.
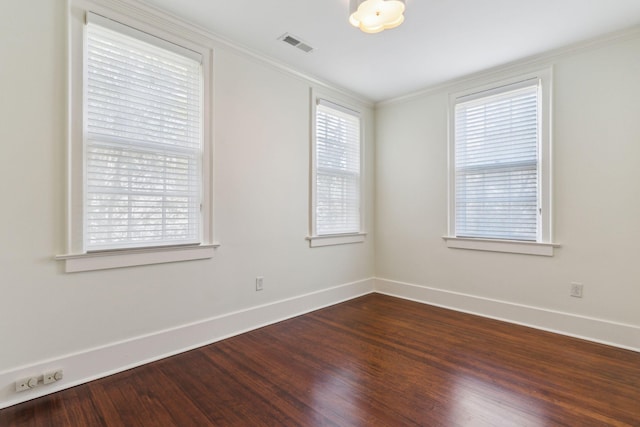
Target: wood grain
[[372, 361]]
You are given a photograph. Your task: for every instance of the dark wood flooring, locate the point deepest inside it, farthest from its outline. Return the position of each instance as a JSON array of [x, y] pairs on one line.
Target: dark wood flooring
[[372, 361]]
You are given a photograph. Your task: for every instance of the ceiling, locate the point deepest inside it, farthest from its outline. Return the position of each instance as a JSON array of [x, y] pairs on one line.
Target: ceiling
[[440, 40]]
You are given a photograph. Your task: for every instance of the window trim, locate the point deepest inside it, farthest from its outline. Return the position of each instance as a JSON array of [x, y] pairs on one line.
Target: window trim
[[132, 257], [359, 236], [76, 257], [544, 244], [495, 245]]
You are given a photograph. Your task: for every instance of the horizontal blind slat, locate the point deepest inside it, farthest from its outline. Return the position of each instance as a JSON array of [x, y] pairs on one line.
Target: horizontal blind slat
[[496, 166], [337, 146], [143, 151]]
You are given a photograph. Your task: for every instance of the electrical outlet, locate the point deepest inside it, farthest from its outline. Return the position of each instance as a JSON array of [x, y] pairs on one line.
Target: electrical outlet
[[26, 383], [259, 283], [576, 290], [49, 377], [22, 385], [52, 376]]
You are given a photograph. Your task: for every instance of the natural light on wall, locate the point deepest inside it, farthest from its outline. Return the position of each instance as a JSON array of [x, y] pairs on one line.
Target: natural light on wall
[[373, 16]]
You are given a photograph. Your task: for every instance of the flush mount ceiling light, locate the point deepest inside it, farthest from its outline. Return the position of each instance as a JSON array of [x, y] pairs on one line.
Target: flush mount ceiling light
[[373, 16]]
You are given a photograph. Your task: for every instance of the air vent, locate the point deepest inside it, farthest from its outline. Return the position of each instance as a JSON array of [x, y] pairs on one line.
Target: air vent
[[291, 40], [296, 42], [304, 47]]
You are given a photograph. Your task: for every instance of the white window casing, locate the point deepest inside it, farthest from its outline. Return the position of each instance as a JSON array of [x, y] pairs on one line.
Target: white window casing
[[336, 176], [140, 189], [500, 166]]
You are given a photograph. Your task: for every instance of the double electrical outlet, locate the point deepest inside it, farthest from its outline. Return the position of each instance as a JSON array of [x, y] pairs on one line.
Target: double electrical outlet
[[33, 382]]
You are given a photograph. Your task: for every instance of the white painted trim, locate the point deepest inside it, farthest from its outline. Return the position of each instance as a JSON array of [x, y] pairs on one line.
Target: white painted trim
[[99, 362], [602, 331], [349, 108], [122, 14], [342, 239], [543, 78], [509, 246], [128, 258]]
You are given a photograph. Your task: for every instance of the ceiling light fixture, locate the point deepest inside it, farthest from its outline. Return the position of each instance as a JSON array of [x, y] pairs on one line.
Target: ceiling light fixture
[[373, 16]]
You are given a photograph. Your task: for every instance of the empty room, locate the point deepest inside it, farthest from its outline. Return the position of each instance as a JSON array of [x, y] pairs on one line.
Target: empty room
[[320, 213]]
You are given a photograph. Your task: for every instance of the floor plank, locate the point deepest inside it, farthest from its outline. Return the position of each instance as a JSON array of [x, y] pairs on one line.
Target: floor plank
[[372, 361]]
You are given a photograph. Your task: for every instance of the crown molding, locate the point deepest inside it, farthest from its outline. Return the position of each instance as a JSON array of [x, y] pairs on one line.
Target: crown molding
[[140, 10], [544, 59]]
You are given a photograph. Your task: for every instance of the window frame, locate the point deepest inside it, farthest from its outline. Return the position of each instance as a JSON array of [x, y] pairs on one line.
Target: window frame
[[76, 258], [315, 239], [544, 244]]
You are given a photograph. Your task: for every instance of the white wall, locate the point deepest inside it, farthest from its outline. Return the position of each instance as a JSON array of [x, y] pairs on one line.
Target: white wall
[[261, 123], [596, 155]]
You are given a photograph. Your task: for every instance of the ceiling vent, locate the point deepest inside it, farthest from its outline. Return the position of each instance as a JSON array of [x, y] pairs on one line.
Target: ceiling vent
[[296, 42]]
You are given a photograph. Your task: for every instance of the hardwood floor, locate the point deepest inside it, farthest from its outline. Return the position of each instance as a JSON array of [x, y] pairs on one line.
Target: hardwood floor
[[372, 361]]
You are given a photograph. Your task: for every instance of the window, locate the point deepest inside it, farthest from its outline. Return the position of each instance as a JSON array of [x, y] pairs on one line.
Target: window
[[336, 178], [143, 142], [500, 167], [139, 148]]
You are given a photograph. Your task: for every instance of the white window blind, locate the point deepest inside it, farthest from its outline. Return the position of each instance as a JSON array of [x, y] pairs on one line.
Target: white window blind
[[497, 165], [143, 141], [337, 154]]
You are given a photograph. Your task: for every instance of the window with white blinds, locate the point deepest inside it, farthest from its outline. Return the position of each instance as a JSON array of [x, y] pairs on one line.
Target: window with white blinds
[[337, 169], [143, 140], [497, 174]]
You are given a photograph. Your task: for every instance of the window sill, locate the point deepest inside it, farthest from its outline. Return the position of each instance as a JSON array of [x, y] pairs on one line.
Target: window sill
[[508, 246], [336, 239], [134, 257]]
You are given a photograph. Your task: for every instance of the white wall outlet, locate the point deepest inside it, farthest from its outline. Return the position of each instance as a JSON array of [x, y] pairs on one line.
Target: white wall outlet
[[259, 283], [26, 383], [52, 376], [576, 290], [49, 377], [22, 385]]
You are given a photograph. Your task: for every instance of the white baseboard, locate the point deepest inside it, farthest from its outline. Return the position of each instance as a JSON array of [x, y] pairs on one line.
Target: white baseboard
[[100, 362], [588, 328]]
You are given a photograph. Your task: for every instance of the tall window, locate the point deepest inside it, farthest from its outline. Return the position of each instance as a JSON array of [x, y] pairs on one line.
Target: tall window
[[139, 142], [143, 140], [337, 170], [499, 177]]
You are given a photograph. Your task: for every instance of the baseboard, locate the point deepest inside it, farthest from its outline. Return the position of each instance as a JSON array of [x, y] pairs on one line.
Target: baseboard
[[100, 362], [597, 330]]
